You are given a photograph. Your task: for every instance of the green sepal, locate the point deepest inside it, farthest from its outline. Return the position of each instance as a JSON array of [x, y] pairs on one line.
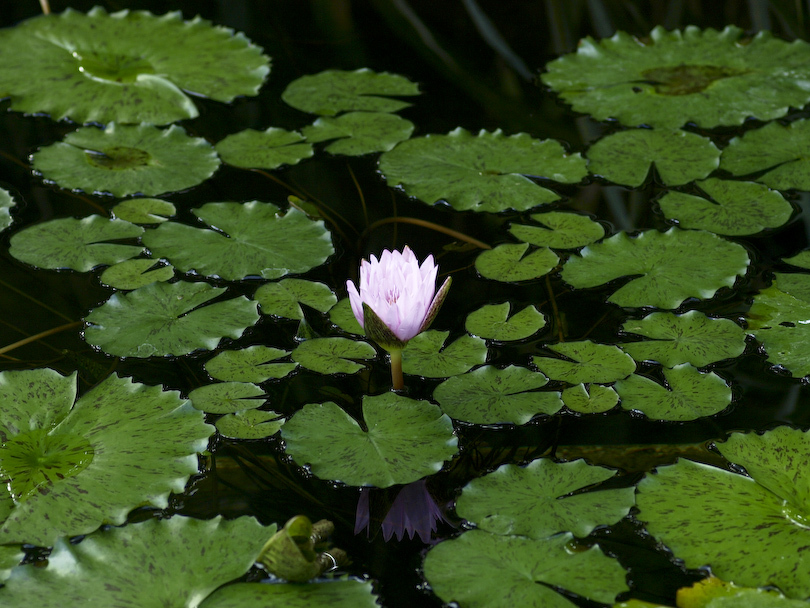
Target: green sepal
[[438, 300], [378, 331]]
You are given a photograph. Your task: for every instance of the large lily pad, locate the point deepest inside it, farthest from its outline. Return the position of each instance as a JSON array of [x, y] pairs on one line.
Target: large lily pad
[[586, 362], [359, 133], [707, 77], [129, 66], [76, 244], [341, 593], [124, 160], [167, 319], [487, 172], [400, 440], [70, 465], [268, 149], [666, 261], [426, 355], [492, 322], [170, 562], [559, 230], [251, 239]]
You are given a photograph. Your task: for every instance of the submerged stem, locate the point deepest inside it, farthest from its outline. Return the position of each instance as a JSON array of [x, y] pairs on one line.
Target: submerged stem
[[397, 380]]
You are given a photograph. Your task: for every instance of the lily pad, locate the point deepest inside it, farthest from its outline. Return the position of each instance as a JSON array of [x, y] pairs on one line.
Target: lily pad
[[541, 499], [124, 160], [251, 239], [559, 230], [282, 299], [801, 259], [227, 397], [132, 274], [733, 208], [167, 319], [590, 399], [487, 172], [341, 593], [426, 355], [333, 91], [687, 395], [509, 263], [168, 562], [70, 464], [666, 261], [144, 210], [359, 133], [252, 364], [715, 593], [589, 362], [76, 244], [333, 355], [129, 66], [489, 395], [341, 315], [400, 440], [249, 424], [7, 203], [493, 323], [10, 556], [708, 77], [780, 150], [268, 149], [483, 569]]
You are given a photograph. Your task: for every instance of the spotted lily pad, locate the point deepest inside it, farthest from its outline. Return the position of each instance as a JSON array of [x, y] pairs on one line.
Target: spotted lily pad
[[510, 263], [426, 355], [492, 322], [227, 397], [249, 424], [70, 463], [801, 259], [340, 593], [708, 77], [284, 298], [76, 244], [252, 364], [487, 172], [359, 133], [129, 66], [489, 395], [342, 316], [679, 157], [590, 399], [251, 239], [333, 355], [144, 210], [159, 562], [713, 592], [589, 362], [7, 203], [268, 149], [559, 230], [125, 160], [132, 274], [334, 91], [666, 263], [733, 208], [167, 319], [399, 441]]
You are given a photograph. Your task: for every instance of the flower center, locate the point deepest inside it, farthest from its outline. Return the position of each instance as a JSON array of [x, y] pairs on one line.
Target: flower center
[[392, 295]]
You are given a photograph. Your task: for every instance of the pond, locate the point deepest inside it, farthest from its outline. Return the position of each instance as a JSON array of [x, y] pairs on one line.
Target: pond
[[609, 407]]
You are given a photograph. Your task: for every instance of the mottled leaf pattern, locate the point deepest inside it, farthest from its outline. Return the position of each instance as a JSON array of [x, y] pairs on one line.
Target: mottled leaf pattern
[[589, 362], [426, 355]]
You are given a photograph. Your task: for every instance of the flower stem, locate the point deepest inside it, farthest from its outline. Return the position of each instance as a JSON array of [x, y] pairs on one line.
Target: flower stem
[[396, 369]]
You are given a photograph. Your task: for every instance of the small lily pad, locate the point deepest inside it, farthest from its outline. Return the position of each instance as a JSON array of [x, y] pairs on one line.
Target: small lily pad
[[144, 210], [493, 323], [341, 593], [7, 203], [333, 355], [400, 440], [801, 259], [167, 319], [282, 299], [589, 362], [590, 399], [559, 230], [249, 424], [359, 133], [227, 397], [489, 395], [132, 274], [341, 315], [509, 263], [487, 172], [426, 355], [76, 244], [333, 91], [268, 149], [252, 364], [733, 208]]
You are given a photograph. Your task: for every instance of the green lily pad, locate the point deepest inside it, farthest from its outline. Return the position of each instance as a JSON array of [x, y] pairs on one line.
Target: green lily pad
[[252, 364], [359, 133], [333, 355], [341, 593], [589, 362], [10, 556], [333, 91], [687, 395], [540, 500], [559, 230], [688, 338], [733, 208], [666, 261], [268, 149], [493, 323], [249, 424], [129, 66], [70, 464], [167, 319], [489, 395], [168, 562], [679, 157], [144, 210], [426, 355], [125, 160], [708, 77], [227, 397], [251, 239], [341, 315], [591, 399], [7, 203], [132, 274], [400, 440], [76, 244], [487, 172], [509, 263], [801, 259], [483, 569], [778, 319], [282, 299], [781, 151], [752, 530]]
